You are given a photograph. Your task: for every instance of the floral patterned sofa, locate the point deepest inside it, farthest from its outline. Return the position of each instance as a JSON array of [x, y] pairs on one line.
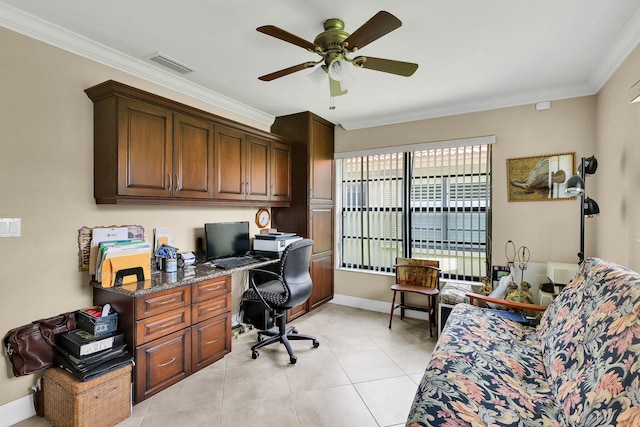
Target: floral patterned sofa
[[579, 367]]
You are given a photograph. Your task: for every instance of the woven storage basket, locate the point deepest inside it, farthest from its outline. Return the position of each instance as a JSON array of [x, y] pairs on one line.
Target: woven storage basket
[[101, 402]]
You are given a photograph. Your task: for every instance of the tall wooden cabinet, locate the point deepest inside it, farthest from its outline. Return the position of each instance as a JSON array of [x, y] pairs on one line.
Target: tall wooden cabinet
[[311, 213]]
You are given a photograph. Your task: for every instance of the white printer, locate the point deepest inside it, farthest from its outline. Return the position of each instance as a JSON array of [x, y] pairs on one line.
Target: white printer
[[272, 244]]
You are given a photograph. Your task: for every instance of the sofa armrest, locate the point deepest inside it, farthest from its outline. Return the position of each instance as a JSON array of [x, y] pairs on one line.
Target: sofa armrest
[[506, 303]]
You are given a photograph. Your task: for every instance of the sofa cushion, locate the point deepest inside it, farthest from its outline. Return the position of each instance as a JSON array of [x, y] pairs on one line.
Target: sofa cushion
[[485, 370], [590, 340]]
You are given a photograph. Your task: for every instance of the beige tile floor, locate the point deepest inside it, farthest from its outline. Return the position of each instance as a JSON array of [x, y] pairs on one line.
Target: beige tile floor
[[363, 374]]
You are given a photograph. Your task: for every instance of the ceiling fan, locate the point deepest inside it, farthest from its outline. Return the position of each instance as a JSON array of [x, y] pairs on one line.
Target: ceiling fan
[[334, 45]]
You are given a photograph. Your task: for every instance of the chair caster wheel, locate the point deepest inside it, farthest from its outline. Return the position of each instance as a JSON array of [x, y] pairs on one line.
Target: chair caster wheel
[[255, 354], [316, 344], [294, 331], [293, 360]]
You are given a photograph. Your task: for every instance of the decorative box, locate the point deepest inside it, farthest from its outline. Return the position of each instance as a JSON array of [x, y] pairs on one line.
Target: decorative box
[[97, 325], [102, 402]]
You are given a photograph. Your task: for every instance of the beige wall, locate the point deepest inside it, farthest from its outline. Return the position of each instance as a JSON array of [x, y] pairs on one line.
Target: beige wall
[[617, 181], [46, 179]]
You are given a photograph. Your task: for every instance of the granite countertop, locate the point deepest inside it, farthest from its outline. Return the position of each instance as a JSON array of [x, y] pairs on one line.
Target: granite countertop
[[161, 281]]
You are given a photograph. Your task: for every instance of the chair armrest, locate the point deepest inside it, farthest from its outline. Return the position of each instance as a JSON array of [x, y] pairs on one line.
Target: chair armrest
[[259, 271], [255, 271], [506, 303]]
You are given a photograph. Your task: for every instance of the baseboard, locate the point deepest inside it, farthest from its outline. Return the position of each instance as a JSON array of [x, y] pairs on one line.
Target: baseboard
[[373, 305], [16, 411]]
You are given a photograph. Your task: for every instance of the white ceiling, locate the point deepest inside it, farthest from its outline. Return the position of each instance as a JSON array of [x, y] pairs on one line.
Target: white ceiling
[[473, 54]]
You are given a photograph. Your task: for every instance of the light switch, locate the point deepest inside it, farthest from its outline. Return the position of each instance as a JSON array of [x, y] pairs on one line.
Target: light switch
[[10, 227]]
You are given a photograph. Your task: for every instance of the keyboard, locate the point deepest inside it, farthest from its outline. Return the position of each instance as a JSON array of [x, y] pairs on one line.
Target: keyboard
[[227, 263]]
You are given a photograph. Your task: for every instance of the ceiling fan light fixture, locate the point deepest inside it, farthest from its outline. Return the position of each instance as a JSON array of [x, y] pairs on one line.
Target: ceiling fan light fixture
[[339, 70], [318, 75]]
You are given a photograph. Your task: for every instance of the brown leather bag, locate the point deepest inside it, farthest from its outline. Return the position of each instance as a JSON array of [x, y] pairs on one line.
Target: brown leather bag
[[30, 347]]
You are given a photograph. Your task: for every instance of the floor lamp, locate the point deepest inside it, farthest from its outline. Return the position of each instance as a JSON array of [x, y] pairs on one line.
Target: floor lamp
[[576, 187]]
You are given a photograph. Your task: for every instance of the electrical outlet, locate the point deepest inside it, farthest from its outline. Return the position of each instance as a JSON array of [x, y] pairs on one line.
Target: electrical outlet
[[10, 227]]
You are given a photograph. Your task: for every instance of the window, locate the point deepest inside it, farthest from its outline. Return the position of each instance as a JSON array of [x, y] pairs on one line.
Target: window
[[426, 203]]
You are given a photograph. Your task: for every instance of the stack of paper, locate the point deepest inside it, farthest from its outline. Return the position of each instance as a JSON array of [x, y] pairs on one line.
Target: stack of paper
[[112, 251]]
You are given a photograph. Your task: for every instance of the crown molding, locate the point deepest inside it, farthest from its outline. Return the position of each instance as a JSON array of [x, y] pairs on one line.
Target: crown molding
[[49, 33]]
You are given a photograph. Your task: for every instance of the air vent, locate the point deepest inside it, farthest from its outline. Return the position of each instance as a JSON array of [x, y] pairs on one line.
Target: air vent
[[165, 61]]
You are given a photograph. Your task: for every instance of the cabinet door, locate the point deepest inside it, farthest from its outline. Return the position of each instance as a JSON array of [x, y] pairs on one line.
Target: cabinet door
[[280, 172], [257, 181], [322, 276], [161, 363], [210, 340], [321, 162], [144, 149], [229, 164], [321, 228], [192, 158]]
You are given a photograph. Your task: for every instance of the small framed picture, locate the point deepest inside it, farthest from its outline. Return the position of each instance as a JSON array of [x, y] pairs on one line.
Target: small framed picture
[[539, 178]]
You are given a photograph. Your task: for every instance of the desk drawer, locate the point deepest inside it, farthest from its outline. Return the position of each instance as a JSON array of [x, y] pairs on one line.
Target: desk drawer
[[210, 308], [211, 288], [161, 363], [161, 302], [210, 341], [158, 326]]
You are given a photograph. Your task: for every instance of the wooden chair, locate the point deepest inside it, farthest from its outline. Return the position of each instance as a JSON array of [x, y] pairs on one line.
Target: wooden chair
[[419, 276]]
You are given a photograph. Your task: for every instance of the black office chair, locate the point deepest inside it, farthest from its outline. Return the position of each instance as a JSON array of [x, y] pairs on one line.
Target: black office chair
[[278, 293]]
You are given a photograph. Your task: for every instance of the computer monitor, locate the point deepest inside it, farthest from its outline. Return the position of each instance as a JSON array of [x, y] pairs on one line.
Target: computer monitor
[[225, 239]]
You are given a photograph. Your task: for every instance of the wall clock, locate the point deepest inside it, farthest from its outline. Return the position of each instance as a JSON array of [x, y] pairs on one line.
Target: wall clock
[[263, 216]]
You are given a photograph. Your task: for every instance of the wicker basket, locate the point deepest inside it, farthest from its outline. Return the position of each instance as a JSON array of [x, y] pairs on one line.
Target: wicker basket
[[101, 402]]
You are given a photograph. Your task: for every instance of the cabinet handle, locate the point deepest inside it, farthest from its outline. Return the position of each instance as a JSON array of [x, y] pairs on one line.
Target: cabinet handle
[[166, 302], [216, 307], [206, 289], [169, 182], [162, 365], [212, 341], [175, 182], [166, 325]]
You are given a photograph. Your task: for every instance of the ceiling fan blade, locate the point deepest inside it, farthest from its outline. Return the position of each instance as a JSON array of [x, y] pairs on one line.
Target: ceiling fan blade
[[386, 65], [286, 71], [286, 36], [382, 23]]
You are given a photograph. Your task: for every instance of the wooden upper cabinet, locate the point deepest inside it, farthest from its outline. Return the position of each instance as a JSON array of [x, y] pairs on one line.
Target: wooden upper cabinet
[[192, 157], [321, 162], [229, 164], [144, 149], [243, 166], [280, 171], [258, 168], [149, 149]]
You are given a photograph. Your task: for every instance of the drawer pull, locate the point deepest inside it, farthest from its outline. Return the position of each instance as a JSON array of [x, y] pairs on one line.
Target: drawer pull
[[210, 288], [166, 325], [166, 302], [162, 365], [212, 341], [216, 307], [102, 396]]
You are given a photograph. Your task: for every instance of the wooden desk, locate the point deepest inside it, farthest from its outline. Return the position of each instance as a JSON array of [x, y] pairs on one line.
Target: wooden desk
[[175, 324]]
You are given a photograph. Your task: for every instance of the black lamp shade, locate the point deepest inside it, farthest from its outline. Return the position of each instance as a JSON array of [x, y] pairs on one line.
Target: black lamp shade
[[590, 165], [575, 186], [591, 208]]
